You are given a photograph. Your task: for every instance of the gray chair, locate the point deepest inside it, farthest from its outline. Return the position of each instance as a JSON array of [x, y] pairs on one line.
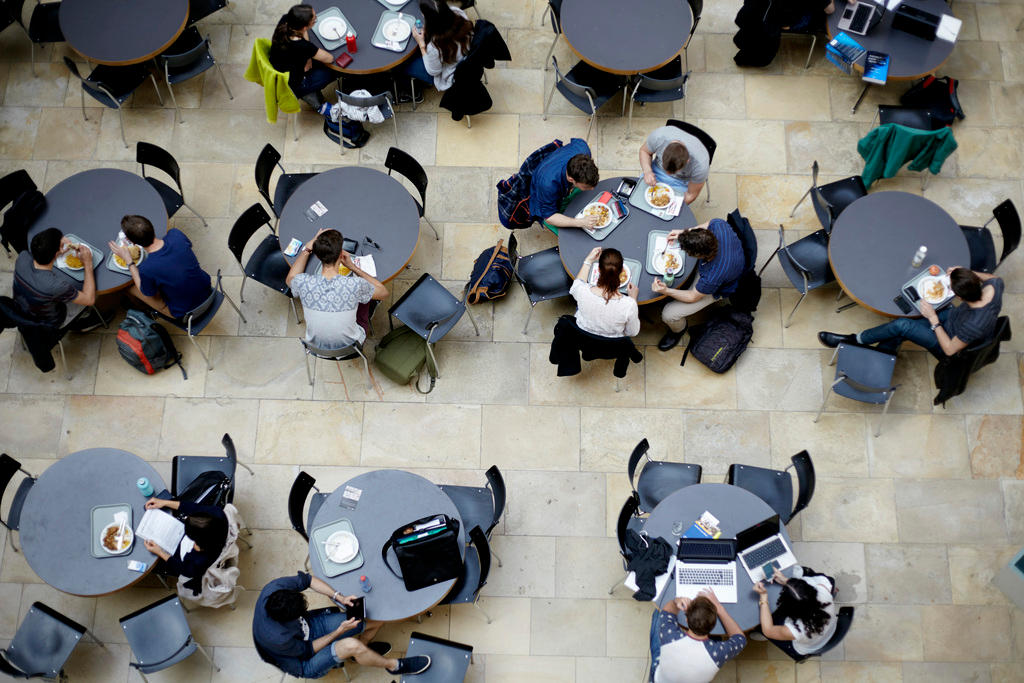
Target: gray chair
[[480, 506], [666, 84], [188, 57], [382, 101], [196, 320], [42, 644], [350, 352], [541, 275], [981, 245], [586, 88], [185, 469], [111, 86], [629, 519], [658, 479], [159, 636], [805, 263], [475, 569], [775, 487], [863, 374], [834, 196], [266, 265], [449, 661], [8, 468]]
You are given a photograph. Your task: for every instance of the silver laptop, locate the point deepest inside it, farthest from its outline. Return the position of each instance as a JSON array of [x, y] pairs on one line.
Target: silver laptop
[[706, 563], [857, 17], [761, 544]]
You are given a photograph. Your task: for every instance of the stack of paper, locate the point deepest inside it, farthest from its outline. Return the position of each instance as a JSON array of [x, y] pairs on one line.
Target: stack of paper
[[161, 528]]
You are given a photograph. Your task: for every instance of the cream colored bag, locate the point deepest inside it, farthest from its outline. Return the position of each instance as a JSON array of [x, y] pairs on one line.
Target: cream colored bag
[[220, 580]]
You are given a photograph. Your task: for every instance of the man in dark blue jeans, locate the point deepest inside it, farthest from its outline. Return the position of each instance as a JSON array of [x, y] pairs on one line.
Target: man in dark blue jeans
[[945, 333]]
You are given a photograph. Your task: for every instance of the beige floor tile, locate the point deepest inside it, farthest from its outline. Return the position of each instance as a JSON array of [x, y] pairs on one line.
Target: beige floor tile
[[919, 672], [970, 201], [242, 665], [509, 669], [460, 194], [38, 420], [10, 616], [115, 377], [747, 146], [950, 511], [511, 435], [227, 627], [535, 132], [987, 641], [151, 124], [994, 446], [617, 489], [835, 443], [833, 145], [574, 553], [91, 421], [690, 386], [842, 561], [787, 97], [256, 368], [67, 135], [978, 93], [193, 426], [628, 628], [861, 672], [920, 446], [463, 242], [988, 153], [512, 311], [95, 664], [978, 60], [225, 135], [555, 504], [715, 440], [549, 637], [507, 634], [529, 46], [763, 672], [773, 378], [492, 141], [81, 351], [403, 435], [609, 669], [208, 190], [608, 436], [528, 567], [971, 568], [516, 91], [767, 200], [315, 432], [1013, 501], [715, 96], [907, 573], [274, 553], [817, 312], [852, 510], [45, 89], [1006, 100], [844, 91], [594, 385]]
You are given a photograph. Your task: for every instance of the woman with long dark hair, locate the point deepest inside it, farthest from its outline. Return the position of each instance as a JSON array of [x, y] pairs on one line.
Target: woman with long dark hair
[[602, 309], [206, 532], [805, 615], [444, 41]]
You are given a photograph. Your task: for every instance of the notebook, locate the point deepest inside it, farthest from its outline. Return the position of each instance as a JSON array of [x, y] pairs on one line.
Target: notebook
[[163, 529]]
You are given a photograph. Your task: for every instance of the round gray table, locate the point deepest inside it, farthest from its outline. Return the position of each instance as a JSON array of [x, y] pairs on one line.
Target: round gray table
[[910, 56], [120, 32], [360, 202], [56, 522], [364, 16], [630, 238], [736, 509], [90, 205], [875, 238], [390, 499], [626, 37]]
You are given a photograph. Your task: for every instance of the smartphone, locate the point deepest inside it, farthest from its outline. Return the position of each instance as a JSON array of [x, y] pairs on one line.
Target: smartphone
[[769, 569], [357, 610]]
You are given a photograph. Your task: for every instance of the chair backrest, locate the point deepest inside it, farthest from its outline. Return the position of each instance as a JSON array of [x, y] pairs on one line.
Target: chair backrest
[[844, 619], [405, 164], [867, 370], [251, 220], [432, 298], [572, 86], [265, 162], [9, 669], [73, 68], [483, 551], [19, 218], [513, 252], [13, 185], [785, 253], [638, 452], [497, 485], [709, 143], [627, 512], [157, 632], [148, 154], [229, 449], [649, 83], [200, 9], [342, 353], [696, 7], [983, 351], [202, 309], [1009, 224], [186, 58], [804, 469], [297, 496], [8, 467], [382, 100]]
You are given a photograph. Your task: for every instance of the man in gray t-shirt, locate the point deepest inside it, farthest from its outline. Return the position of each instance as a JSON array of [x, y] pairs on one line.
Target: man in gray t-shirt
[[48, 297], [676, 158]]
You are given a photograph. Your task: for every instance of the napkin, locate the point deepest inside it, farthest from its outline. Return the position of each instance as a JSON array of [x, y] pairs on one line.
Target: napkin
[[121, 517]]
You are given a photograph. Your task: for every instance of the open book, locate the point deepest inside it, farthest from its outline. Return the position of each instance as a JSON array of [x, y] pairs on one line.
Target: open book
[[163, 529]]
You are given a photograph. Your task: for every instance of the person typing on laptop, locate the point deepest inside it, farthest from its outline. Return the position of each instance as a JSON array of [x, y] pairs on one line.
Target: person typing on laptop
[[689, 655], [805, 615]]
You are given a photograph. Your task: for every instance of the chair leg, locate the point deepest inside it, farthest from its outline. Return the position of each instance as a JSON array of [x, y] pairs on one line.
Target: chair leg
[[366, 368], [793, 212], [495, 556], [162, 581], [241, 290], [765, 265], [469, 121], [228, 298], [82, 93], [437, 236], [832, 360], [629, 121], [207, 655], [64, 361], [547, 104], [825, 400], [614, 586], [814, 42], [209, 365], [591, 126], [309, 373], [842, 308], [295, 125], [95, 639], [853, 109], [707, 190], [839, 294], [472, 320], [295, 310], [10, 541], [476, 604], [248, 545], [528, 316], [198, 215], [32, 52], [885, 411], [344, 670], [551, 51], [412, 89], [156, 88], [798, 302], [394, 120], [145, 680], [618, 385], [224, 81], [120, 117], [924, 179]]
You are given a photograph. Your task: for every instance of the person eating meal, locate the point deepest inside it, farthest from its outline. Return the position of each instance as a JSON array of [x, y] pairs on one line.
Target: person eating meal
[[46, 296], [602, 309], [673, 157]]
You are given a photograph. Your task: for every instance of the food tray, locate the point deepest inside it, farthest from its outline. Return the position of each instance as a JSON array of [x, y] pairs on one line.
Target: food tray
[[634, 273], [378, 39], [639, 199], [600, 233], [321, 533], [652, 238], [101, 516], [331, 43], [112, 264], [910, 289], [79, 275], [396, 6]]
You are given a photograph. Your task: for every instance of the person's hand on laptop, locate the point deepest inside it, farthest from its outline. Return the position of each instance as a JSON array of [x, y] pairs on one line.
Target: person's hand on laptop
[[710, 595], [779, 578]]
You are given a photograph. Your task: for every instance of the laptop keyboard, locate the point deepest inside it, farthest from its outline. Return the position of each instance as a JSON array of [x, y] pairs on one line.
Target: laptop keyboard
[[860, 19], [704, 577], [718, 551], [769, 551]]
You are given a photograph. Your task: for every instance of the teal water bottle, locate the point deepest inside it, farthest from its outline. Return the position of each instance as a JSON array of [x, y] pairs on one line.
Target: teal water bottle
[[145, 488]]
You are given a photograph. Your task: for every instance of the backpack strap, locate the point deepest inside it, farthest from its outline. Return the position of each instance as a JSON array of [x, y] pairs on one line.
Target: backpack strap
[[384, 556], [474, 288], [165, 339], [430, 365], [689, 346]]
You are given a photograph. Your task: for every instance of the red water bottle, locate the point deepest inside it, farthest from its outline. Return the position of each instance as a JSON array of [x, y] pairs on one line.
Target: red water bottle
[[350, 42]]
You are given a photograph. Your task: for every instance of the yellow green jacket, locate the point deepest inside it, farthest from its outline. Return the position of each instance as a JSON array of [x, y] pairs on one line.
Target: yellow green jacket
[[276, 93]]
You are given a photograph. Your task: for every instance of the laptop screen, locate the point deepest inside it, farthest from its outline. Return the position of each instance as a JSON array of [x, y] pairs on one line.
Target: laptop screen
[[755, 534], [704, 549]]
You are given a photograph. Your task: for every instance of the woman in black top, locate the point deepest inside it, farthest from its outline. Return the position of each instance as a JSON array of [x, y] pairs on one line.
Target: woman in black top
[[206, 531]]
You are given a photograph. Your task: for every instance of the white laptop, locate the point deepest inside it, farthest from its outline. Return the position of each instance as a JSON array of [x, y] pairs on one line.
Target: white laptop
[[706, 563], [761, 544], [857, 17]]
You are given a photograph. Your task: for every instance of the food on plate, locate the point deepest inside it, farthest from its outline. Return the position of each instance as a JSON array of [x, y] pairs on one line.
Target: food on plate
[[671, 262], [934, 270], [624, 276], [599, 211], [934, 290], [136, 254], [109, 539], [72, 259], [659, 196]]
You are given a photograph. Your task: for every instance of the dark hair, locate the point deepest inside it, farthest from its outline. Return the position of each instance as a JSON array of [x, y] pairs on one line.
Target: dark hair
[[583, 170], [285, 605], [699, 243], [45, 245], [210, 533], [292, 23], [799, 601], [674, 157], [608, 272], [701, 616], [138, 230], [327, 246], [446, 30], [965, 284]]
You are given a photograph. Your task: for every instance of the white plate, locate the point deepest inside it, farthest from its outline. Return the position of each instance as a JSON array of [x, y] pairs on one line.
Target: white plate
[[142, 257], [126, 541], [659, 261], [341, 547], [396, 3], [925, 283], [332, 28], [64, 263], [595, 273], [650, 190], [396, 30], [608, 214]]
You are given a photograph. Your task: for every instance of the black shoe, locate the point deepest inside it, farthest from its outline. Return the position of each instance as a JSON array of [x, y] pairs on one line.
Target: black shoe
[[405, 97], [380, 647], [87, 322], [669, 341], [832, 340], [358, 141], [411, 665]]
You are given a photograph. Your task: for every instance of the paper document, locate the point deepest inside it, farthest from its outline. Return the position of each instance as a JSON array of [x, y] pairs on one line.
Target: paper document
[[161, 528], [365, 263], [949, 28], [893, 4]]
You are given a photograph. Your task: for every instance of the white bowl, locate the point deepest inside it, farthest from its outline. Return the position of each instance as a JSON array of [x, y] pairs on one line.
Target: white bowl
[[341, 547], [126, 541]]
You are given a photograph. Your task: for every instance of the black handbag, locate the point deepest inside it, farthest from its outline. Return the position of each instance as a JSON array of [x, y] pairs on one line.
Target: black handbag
[[427, 551]]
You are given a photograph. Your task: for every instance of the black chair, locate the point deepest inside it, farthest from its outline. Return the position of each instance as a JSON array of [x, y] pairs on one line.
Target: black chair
[[200, 9], [815, 28], [475, 569], [13, 185], [266, 265], [405, 165], [666, 84], [196, 320], [709, 144], [629, 519], [111, 86], [287, 183], [159, 636], [835, 196], [805, 263], [43, 26], [148, 154], [38, 339], [449, 661], [480, 506], [5, 17], [470, 4], [658, 479], [297, 496], [586, 88], [981, 244], [8, 468], [186, 468], [42, 644], [696, 8], [18, 219], [554, 13], [911, 117], [541, 275], [844, 619], [952, 372], [775, 487], [188, 57], [863, 374]]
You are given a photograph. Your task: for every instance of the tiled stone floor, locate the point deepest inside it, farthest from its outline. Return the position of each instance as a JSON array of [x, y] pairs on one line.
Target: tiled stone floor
[[912, 523]]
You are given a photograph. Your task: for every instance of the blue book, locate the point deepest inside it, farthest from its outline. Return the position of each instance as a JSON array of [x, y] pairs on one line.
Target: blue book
[[844, 51], [876, 67]]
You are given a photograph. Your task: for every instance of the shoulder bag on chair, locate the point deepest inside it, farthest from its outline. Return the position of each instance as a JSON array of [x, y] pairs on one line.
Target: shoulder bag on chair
[[427, 551]]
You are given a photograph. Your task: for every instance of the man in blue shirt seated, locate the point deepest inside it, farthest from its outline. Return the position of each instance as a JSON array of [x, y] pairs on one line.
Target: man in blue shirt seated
[[720, 258], [688, 655], [557, 179], [169, 278], [310, 643]]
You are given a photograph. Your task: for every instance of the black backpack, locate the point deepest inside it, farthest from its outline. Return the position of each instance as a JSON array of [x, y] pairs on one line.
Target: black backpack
[[491, 276], [146, 345], [937, 95], [719, 342]]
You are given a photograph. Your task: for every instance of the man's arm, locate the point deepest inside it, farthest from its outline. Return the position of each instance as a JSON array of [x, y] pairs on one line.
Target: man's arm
[[687, 296], [730, 625], [87, 297], [692, 190], [646, 159], [949, 345], [560, 220], [380, 292]]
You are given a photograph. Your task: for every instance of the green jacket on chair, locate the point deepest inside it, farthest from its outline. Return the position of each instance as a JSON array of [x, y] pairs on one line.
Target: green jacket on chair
[[276, 93], [887, 148]]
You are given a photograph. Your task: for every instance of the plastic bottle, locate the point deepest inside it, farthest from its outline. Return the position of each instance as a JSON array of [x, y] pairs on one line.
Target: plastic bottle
[[350, 42], [364, 583], [919, 256], [145, 488]]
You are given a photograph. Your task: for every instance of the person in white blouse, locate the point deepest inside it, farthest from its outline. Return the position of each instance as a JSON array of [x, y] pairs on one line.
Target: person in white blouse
[[805, 615], [602, 309], [444, 41]]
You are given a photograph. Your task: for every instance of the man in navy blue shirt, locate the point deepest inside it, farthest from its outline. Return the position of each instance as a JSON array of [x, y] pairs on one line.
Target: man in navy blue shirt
[[169, 278], [557, 179]]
